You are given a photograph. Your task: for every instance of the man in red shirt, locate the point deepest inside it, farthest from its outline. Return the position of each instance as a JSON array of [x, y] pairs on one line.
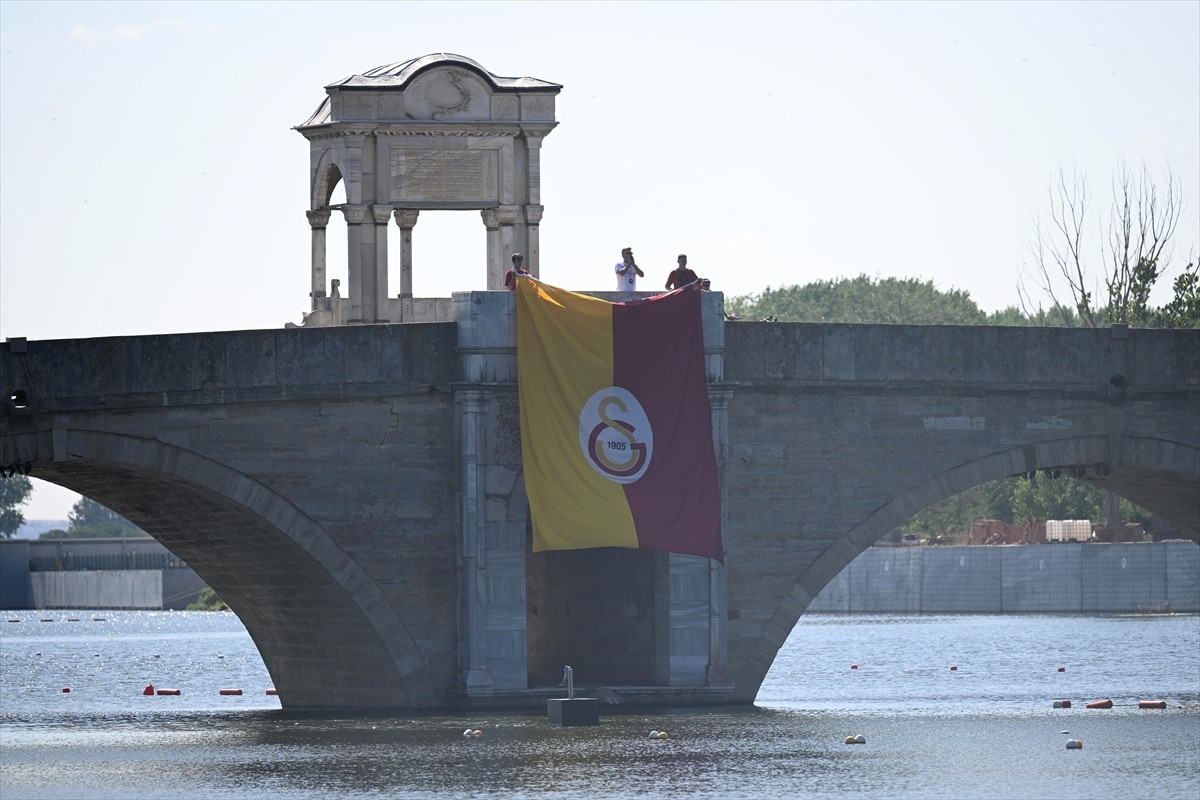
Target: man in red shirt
[[518, 268], [681, 276]]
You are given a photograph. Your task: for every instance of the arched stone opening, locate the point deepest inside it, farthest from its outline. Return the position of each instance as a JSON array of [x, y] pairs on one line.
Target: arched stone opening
[[312, 613], [1153, 472]]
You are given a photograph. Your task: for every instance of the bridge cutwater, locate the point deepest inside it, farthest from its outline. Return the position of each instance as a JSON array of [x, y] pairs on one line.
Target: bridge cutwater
[[353, 487]]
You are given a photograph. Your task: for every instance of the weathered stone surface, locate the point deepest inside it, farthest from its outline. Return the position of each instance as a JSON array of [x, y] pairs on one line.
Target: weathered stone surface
[[318, 479]]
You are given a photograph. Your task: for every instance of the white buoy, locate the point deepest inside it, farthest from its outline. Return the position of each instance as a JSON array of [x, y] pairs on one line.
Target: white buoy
[[860, 739], [662, 734], [653, 734], [477, 732], [468, 732]]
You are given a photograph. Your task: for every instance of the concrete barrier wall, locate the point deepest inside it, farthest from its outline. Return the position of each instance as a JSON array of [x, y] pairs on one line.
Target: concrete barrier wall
[[1050, 579], [98, 589]]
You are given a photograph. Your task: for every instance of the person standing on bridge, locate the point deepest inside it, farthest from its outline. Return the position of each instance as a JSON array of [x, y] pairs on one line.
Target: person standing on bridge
[[681, 276], [518, 268], [628, 272]]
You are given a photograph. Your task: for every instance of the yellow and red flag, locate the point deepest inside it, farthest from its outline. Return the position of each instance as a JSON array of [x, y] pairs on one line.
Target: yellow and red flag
[[616, 436]]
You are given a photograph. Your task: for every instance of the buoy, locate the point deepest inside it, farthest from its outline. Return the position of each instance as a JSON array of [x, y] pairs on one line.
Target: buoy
[[72, 619], [1100, 704], [66, 690], [860, 739], [14, 620], [229, 691], [850, 740], [1064, 733], [954, 667], [468, 732], [477, 732], [1074, 744], [662, 734], [99, 619], [149, 690], [854, 666], [1152, 703], [653, 734], [272, 691], [1062, 703], [47, 620], [1062, 669], [172, 692]]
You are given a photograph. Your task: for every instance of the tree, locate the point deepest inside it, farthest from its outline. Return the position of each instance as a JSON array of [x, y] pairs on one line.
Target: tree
[[91, 520], [1184, 309], [1134, 252], [901, 301], [14, 493]]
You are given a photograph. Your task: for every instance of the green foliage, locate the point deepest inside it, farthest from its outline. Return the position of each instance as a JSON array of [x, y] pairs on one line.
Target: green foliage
[[91, 520], [208, 600], [53, 533], [901, 301], [14, 492], [954, 515], [1184, 309], [1042, 497]]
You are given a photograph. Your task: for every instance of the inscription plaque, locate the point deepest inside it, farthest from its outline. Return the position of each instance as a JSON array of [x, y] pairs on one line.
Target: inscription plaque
[[443, 175]]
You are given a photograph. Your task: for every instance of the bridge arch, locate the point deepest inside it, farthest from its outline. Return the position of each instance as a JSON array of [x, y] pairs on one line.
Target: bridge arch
[[308, 606], [1140, 460]]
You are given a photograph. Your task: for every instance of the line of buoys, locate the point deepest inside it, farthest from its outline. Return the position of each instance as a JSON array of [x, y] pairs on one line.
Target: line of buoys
[[469, 732], [229, 691], [856, 739], [1062, 703], [171, 692], [1152, 703], [1100, 704]]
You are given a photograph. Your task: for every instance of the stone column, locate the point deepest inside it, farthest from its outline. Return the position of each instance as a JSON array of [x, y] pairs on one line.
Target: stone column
[[533, 168], [317, 220], [495, 268], [533, 216], [382, 215], [512, 229], [355, 217], [719, 673], [474, 405], [406, 218]]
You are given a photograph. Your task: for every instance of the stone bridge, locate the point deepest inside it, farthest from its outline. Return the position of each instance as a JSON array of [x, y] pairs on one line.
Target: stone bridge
[[355, 493]]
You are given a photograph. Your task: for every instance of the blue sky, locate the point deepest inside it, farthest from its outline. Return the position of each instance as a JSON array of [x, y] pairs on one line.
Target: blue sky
[[150, 181]]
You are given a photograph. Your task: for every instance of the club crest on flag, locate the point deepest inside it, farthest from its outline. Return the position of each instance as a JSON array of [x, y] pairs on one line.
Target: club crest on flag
[[616, 435]]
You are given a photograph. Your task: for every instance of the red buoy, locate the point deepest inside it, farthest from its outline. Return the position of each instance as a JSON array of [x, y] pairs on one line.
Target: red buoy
[[171, 692], [1062, 669], [854, 666], [229, 691], [67, 690], [149, 690], [1152, 703], [954, 668], [1100, 704], [272, 691]]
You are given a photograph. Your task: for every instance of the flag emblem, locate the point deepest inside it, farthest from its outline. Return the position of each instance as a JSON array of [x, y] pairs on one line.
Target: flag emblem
[[616, 435]]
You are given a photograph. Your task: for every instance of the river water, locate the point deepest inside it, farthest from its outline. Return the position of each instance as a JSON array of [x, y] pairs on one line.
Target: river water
[[984, 730]]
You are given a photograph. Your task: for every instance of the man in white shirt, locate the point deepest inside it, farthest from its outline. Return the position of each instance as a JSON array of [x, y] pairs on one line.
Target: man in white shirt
[[628, 272]]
